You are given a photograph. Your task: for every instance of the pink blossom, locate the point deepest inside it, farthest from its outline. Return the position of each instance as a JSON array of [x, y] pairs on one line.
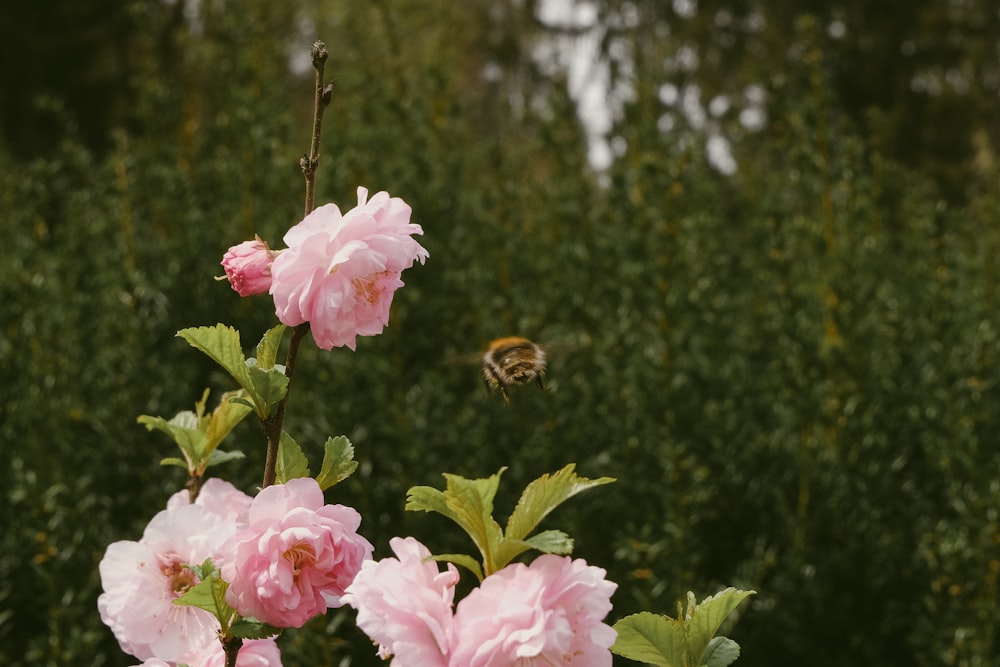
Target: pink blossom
[[248, 267], [141, 580], [405, 605], [253, 653], [549, 612], [292, 556], [340, 272], [217, 496]]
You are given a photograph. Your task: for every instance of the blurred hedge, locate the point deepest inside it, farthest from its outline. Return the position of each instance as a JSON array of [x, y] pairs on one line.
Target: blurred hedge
[[791, 370]]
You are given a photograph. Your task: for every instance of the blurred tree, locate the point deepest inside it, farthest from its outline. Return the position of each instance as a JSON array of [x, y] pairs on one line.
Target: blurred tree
[[772, 315], [68, 56]]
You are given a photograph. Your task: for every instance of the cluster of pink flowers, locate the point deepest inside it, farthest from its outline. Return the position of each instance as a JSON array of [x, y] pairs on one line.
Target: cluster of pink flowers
[[549, 612], [286, 555], [339, 271]]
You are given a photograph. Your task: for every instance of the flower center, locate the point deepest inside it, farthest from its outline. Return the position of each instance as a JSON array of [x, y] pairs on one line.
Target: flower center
[[299, 556], [179, 578], [366, 289]]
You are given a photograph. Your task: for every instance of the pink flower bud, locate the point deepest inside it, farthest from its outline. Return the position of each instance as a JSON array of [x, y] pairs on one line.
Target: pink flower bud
[[248, 267]]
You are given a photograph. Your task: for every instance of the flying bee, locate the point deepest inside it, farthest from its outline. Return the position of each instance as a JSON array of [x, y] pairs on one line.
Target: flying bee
[[513, 360]]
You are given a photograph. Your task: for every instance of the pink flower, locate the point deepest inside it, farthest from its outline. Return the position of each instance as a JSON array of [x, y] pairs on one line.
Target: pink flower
[[141, 580], [253, 653], [405, 605], [248, 267], [549, 612], [293, 556], [340, 272]]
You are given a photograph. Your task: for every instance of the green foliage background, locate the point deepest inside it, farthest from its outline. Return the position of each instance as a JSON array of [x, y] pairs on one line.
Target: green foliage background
[[791, 370]]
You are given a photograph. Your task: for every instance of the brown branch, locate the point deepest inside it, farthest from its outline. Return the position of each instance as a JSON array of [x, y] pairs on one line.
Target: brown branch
[[324, 92], [273, 424], [309, 163]]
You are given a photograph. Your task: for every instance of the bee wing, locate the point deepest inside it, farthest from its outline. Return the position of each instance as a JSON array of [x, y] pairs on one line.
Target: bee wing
[[465, 359], [561, 345], [557, 345]]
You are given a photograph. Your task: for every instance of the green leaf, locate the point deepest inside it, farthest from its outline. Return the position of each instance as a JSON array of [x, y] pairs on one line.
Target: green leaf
[[199, 595], [224, 419], [292, 462], [218, 456], [551, 542], [198, 435], [243, 401], [183, 430], [428, 499], [222, 345], [264, 386], [174, 461], [269, 386], [209, 594], [685, 641], [338, 462], [267, 348], [468, 562], [250, 628], [206, 569], [708, 617], [651, 638], [469, 503], [721, 652], [545, 494]]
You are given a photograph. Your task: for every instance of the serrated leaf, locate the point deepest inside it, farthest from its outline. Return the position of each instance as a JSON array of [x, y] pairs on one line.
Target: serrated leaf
[[651, 638], [206, 569], [468, 562], [224, 419], [248, 628], [267, 348], [428, 499], [469, 503], [338, 462], [183, 430], [545, 494], [551, 542], [708, 617], [506, 551], [199, 406], [243, 401], [721, 652], [199, 595], [222, 345], [218, 456], [291, 462], [269, 386], [209, 594], [174, 461]]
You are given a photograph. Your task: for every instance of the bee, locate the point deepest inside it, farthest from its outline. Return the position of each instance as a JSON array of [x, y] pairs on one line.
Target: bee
[[513, 360]]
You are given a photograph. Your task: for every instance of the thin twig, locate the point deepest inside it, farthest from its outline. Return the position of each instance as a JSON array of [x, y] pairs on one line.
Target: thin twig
[[273, 424], [324, 93], [309, 163]]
